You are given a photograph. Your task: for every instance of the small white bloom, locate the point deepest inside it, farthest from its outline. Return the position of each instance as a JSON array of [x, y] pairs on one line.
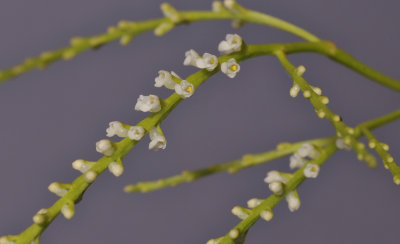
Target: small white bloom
[[164, 78], [82, 165], [296, 161], [239, 212], [116, 128], [105, 147], [217, 6], [58, 188], [191, 58], [136, 133], [116, 168], [293, 201], [208, 61], [254, 202], [276, 187], [230, 68], [90, 176], [68, 210], [342, 145], [232, 43], [311, 170], [267, 215], [184, 89], [40, 217], [275, 176], [308, 150], [233, 234], [149, 103], [158, 141], [294, 91]]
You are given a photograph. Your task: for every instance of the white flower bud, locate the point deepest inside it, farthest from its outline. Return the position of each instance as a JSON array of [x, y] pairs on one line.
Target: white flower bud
[[184, 89], [149, 103], [105, 147], [311, 171], [296, 161], [68, 210], [342, 145], [8, 239], [240, 212], [40, 217], [191, 58], [230, 68], [293, 201], [213, 241], [116, 168], [232, 43], [82, 165], [164, 78], [308, 150], [275, 176], [217, 6], [254, 202], [136, 133], [294, 91], [60, 189], [276, 187], [267, 215], [158, 141], [233, 234], [90, 176], [116, 128]]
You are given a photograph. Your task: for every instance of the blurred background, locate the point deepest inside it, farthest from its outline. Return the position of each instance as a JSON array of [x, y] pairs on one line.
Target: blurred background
[[50, 118]]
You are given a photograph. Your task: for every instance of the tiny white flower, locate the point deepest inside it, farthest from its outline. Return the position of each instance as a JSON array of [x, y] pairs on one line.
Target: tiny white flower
[[275, 176], [342, 145], [308, 150], [90, 176], [158, 141], [164, 78], [254, 202], [239, 212], [207, 61], [267, 215], [184, 89], [230, 68], [40, 217], [296, 161], [293, 201], [233, 234], [276, 187], [136, 133], [116, 128], [116, 168], [82, 165], [217, 6], [311, 170], [149, 103], [58, 188], [294, 91], [232, 43], [68, 210], [105, 147], [191, 58]]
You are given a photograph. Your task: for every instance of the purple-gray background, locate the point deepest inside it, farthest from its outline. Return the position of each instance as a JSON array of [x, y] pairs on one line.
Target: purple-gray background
[[50, 118]]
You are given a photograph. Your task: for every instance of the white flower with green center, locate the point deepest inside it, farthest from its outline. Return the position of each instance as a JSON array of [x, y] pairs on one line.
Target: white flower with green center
[[191, 58], [311, 171], [164, 78], [232, 43], [296, 161], [208, 62], [230, 68], [136, 133], [105, 147], [158, 140], [184, 89], [149, 103], [116, 128]]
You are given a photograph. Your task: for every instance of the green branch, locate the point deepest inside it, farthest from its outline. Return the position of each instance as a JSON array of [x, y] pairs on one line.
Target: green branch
[[298, 177], [248, 160], [319, 103]]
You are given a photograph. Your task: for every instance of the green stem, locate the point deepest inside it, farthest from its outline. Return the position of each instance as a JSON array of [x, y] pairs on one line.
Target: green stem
[[248, 160], [317, 102]]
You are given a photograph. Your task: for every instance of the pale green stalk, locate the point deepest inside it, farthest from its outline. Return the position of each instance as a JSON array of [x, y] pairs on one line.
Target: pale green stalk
[[248, 160]]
